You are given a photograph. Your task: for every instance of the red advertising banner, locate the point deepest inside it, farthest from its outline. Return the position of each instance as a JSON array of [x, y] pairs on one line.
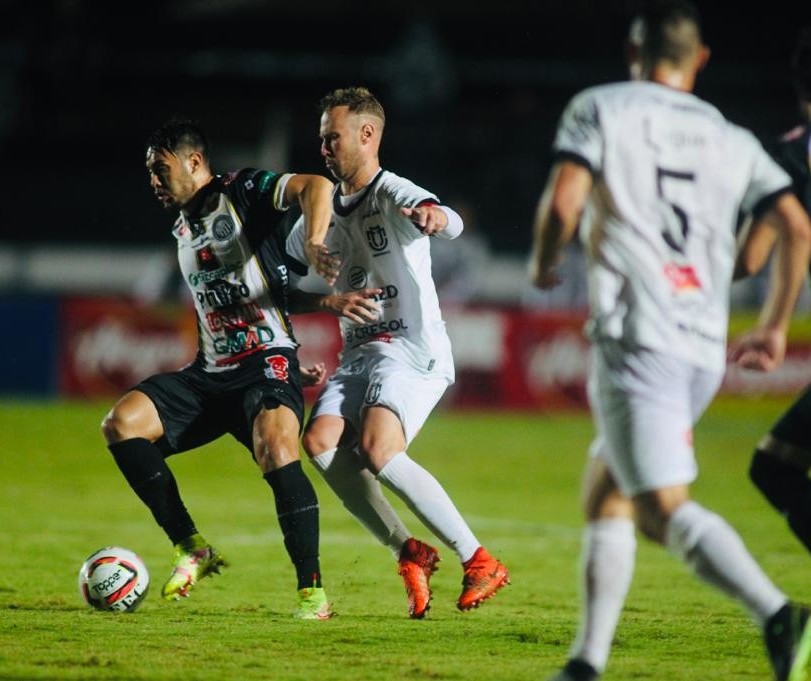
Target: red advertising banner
[[505, 358], [107, 345]]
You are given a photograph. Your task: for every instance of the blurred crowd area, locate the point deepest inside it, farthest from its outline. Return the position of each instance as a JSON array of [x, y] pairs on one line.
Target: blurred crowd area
[[472, 95]]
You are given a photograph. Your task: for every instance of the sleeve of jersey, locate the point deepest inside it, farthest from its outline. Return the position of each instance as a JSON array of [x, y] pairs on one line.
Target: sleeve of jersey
[[579, 135], [767, 179], [398, 193]]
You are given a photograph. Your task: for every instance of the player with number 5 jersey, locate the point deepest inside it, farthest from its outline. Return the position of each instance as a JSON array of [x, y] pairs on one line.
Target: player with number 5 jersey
[[655, 180], [660, 227]]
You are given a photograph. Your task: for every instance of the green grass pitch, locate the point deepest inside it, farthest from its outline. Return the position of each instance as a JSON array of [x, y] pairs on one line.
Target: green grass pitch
[[515, 477]]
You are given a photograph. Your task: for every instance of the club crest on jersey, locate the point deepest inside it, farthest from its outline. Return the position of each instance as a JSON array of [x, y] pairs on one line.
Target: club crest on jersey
[[357, 277], [223, 228], [278, 367], [372, 393], [376, 238]]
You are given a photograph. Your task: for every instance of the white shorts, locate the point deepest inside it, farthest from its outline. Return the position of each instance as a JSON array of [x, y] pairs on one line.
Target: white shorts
[[645, 404], [379, 381]]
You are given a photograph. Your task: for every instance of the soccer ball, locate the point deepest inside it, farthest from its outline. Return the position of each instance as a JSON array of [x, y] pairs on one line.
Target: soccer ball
[[114, 578]]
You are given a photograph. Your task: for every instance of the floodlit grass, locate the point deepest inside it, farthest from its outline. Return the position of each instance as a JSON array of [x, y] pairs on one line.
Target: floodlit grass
[[515, 477]]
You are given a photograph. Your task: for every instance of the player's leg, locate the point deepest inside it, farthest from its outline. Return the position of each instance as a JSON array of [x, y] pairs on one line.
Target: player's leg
[[132, 428], [656, 400], [336, 458], [607, 559], [780, 467], [276, 429], [331, 443], [397, 403], [717, 555], [361, 493]]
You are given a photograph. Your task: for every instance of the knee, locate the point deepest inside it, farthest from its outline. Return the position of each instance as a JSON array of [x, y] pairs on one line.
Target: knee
[[314, 443], [653, 526], [115, 426], [652, 514], [325, 433]]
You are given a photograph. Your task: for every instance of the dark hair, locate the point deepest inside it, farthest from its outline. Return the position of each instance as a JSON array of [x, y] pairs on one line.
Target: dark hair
[[357, 99], [177, 134], [801, 65], [667, 30]]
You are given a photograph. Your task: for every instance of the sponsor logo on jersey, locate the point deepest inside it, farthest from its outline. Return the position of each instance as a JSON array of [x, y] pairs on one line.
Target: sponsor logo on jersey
[[380, 331], [224, 228], [377, 239], [205, 277], [238, 317], [389, 291], [282, 269], [223, 294], [682, 277], [278, 368], [197, 229], [372, 393], [357, 277], [206, 260], [244, 339]]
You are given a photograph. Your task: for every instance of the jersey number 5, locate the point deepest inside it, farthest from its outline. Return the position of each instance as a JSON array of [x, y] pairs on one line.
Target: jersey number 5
[[677, 224]]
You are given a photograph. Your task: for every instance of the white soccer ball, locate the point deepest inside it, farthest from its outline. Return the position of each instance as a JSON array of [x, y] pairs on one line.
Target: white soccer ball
[[114, 578]]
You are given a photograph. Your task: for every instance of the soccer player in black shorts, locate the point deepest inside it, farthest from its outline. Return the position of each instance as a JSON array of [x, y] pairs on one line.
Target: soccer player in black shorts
[[782, 458], [246, 379]]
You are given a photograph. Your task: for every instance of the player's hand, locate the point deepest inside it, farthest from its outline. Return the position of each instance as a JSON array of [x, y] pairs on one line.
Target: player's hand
[[359, 306], [313, 375], [759, 350], [427, 218], [326, 263], [542, 277]]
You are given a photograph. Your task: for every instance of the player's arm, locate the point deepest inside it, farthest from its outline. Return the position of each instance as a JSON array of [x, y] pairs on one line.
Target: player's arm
[[313, 193], [433, 219], [359, 306], [557, 216], [784, 230]]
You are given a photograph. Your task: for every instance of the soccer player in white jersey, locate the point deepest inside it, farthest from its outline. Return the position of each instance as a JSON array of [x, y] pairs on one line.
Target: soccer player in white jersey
[[655, 178], [393, 370]]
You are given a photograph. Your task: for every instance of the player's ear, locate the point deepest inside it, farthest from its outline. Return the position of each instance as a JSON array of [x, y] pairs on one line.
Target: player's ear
[[703, 57], [195, 161], [367, 132], [634, 60]]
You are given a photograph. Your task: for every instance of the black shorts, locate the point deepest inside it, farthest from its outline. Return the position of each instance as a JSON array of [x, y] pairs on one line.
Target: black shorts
[[793, 426], [197, 406]]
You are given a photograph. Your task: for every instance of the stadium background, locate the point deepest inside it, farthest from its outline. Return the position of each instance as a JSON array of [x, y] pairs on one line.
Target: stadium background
[[472, 94]]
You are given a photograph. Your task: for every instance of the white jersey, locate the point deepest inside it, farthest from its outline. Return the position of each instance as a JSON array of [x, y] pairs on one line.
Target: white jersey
[[672, 176], [381, 248]]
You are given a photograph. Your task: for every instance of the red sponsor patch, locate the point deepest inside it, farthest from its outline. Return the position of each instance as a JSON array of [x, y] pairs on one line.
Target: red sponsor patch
[[278, 367], [682, 277]]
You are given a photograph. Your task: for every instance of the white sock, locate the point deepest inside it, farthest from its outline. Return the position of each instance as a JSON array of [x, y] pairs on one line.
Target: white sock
[[607, 567], [715, 552], [362, 496], [427, 499]]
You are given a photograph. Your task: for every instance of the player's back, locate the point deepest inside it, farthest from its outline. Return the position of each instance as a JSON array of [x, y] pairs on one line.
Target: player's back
[[671, 174]]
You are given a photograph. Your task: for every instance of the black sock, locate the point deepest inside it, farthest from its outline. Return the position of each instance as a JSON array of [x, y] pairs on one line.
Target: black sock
[[145, 470], [788, 489], [297, 510]]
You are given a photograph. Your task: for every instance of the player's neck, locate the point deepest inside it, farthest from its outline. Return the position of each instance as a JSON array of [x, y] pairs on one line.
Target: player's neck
[[360, 179], [678, 79]]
